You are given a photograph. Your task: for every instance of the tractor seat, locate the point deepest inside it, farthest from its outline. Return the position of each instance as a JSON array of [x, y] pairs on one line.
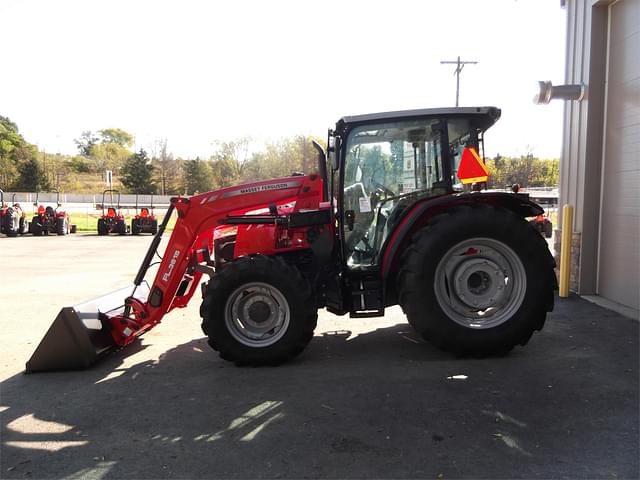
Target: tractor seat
[[144, 212], [111, 212], [50, 211]]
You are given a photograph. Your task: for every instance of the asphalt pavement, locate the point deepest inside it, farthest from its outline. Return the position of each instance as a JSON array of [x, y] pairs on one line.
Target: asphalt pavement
[[367, 398]]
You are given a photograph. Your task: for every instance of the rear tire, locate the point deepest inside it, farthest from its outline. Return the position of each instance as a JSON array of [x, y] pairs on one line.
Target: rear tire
[[121, 227], [258, 311], [12, 223], [135, 229], [102, 227], [548, 229], [477, 281], [36, 227], [154, 227], [24, 226], [62, 226]]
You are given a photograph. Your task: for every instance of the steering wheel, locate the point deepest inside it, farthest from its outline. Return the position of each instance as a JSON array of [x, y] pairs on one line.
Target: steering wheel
[[378, 191]]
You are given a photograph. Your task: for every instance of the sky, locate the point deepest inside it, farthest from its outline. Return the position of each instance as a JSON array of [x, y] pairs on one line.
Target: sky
[[197, 72]]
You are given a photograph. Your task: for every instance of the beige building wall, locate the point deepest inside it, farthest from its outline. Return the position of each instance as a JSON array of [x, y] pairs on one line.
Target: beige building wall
[[600, 164]]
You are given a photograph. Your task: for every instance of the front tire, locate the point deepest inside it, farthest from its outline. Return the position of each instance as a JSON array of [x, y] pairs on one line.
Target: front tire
[[477, 281], [258, 311]]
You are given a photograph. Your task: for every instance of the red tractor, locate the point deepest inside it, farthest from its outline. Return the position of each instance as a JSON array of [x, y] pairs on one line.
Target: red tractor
[[48, 220], [392, 219], [543, 225], [144, 220], [112, 219], [13, 220]]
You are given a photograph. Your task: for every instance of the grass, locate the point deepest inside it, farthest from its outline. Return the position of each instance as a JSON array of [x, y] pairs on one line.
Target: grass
[[88, 222], [85, 222]]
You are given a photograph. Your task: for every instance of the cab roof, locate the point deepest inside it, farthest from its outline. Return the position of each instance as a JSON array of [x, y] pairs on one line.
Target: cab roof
[[483, 117]]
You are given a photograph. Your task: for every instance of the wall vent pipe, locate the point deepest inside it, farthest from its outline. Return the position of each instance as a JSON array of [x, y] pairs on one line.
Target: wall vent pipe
[[548, 92]]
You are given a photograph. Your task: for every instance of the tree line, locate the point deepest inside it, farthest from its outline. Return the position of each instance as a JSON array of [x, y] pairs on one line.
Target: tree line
[[155, 170], [526, 170]]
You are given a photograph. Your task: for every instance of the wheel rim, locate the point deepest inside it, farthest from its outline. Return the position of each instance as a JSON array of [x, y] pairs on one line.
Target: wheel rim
[[257, 314], [480, 283]]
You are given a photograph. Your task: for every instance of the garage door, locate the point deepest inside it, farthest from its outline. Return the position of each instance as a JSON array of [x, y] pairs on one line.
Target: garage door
[[619, 256]]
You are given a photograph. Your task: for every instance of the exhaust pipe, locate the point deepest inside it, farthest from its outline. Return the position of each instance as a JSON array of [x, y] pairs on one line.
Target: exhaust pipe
[[81, 334]]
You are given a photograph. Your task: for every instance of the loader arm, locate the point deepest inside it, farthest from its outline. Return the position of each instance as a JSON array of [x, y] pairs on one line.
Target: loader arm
[[188, 253]]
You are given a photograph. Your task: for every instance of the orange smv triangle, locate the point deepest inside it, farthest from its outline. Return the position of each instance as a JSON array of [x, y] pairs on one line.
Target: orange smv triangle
[[472, 169]]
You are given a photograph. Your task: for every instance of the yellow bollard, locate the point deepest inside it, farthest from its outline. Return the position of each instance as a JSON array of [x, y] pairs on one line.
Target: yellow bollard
[[565, 249]]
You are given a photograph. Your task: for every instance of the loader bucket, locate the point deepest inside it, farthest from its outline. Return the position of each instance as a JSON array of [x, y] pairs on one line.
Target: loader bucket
[[80, 334]]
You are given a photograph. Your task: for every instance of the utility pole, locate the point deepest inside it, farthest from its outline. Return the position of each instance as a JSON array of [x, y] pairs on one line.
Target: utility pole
[[459, 66]]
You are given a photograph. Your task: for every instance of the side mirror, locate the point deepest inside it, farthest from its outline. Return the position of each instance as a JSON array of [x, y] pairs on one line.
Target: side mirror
[[334, 160], [334, 146]]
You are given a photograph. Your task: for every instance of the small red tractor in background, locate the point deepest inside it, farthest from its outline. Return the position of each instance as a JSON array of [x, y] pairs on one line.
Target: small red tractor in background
[[50, 219], [144, 220], [540, 222], [543, 225], [13, 220], [112, 220], [394, 217]]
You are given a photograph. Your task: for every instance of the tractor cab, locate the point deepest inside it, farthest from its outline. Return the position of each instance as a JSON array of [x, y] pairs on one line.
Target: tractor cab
[[388, 165], [389, 169]]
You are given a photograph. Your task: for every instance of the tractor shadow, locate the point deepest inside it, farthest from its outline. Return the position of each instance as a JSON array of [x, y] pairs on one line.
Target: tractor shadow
[[379, 404]]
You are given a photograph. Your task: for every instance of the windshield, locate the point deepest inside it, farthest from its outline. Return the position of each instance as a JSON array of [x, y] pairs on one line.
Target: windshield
[[388, 167]]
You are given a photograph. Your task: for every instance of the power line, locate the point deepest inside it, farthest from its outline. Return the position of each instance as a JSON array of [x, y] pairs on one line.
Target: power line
[[459, 66]]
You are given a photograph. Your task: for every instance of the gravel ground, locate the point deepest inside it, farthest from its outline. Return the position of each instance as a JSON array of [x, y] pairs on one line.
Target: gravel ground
[[367, 399]]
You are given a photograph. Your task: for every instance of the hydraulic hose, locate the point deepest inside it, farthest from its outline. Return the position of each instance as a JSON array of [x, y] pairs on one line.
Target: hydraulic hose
[[153, 247]]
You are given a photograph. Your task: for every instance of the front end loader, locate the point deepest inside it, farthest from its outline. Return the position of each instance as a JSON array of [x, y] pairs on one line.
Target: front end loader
[[395, 215]]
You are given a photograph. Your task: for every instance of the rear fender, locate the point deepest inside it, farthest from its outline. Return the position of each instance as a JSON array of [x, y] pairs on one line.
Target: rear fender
[[418, 215]]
